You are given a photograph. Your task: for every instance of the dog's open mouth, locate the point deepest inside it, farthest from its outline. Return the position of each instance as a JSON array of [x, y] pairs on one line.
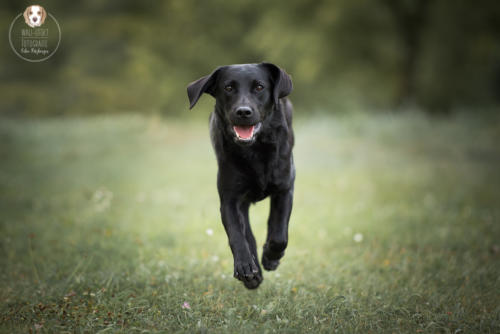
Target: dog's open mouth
[[246, 132]]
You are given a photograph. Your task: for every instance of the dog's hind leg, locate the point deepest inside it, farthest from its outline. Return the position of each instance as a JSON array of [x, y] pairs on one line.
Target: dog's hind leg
[[277, 229]]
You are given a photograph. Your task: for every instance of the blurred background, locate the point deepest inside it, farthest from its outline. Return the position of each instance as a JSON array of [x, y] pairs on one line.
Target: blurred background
[[109, 214], [138, 56]]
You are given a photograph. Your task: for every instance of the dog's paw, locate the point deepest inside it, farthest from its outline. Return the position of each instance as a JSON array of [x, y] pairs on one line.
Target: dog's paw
[[271, 255], [269, 264], [255, 282], [249, 273]]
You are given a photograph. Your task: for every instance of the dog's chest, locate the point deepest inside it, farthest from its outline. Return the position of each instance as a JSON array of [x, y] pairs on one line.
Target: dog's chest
[[266, 172]]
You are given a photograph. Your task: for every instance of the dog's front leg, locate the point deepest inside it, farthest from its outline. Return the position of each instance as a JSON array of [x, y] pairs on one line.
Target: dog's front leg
[[277, 229], [245, 268]]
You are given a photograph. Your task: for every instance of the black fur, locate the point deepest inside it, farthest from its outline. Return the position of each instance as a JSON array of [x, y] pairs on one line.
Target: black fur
[[251, 169]]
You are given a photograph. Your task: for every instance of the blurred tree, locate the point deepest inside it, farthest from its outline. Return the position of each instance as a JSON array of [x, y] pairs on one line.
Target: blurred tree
[[127, 55], [410, 16]]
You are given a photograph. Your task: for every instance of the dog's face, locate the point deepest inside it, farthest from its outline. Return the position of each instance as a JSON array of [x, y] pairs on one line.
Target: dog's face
[[245, 96], [34, 16]]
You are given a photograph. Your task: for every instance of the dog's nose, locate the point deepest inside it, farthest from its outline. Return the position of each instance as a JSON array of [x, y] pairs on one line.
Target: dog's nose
[[244, 112], [35, 18]]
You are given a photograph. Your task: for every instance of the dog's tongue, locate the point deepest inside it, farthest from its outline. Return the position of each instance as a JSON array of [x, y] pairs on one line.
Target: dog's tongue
[[244, 132]]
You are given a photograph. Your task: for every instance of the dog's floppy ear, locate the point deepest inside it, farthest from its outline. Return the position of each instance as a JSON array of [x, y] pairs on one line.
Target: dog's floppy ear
[[25, 14], [44, 15], [281, 81], [204, 84]]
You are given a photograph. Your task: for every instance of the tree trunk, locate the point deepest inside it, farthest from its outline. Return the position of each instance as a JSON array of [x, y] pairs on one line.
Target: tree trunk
[[410, 17]]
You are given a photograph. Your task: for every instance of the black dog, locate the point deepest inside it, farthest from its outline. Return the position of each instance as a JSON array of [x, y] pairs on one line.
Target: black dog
[[251, 132]]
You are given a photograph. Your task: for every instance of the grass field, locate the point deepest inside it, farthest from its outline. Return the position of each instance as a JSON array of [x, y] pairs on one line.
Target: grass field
[[111, 224]]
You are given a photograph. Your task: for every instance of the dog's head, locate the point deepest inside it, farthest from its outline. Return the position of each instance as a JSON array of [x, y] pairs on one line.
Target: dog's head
[[245, 95], [35, 16]]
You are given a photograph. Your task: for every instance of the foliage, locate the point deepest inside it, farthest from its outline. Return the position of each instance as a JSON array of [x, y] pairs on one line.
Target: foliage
[[139, 55]]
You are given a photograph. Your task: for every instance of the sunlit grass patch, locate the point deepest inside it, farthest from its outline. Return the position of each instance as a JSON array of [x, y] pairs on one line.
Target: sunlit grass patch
[[112, 223]]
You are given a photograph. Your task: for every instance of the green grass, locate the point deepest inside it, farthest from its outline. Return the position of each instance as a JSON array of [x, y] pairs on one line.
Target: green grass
[[104, 228]]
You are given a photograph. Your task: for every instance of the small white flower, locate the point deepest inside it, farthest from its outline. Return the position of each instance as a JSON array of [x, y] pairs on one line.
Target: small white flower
[[209, 231], [101, 199], [215, 258], [358, 237], [141, 197]]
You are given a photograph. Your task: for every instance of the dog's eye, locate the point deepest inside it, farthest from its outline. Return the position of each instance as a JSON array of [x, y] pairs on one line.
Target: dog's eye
[[38, 13], [259, 88], [228, 88], [31, 13]]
